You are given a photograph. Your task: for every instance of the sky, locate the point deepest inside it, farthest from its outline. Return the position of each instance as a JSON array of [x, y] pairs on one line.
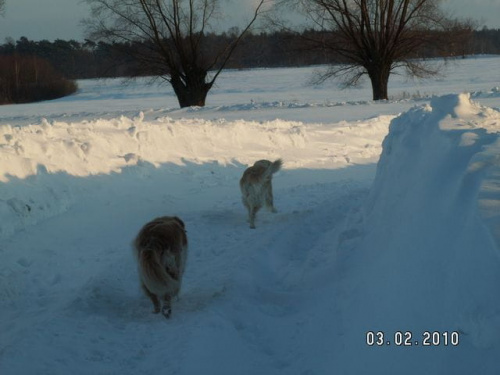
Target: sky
[[61, 19]]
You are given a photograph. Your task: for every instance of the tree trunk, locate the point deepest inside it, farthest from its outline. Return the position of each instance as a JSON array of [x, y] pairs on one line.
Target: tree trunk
[[379, 77], [191, 92]]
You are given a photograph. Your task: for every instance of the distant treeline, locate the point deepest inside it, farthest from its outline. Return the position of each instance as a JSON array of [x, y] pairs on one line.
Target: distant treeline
[[88, 59], [26, 79]]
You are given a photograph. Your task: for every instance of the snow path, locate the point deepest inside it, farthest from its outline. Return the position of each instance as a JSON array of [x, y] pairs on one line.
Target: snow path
[[244, 288]]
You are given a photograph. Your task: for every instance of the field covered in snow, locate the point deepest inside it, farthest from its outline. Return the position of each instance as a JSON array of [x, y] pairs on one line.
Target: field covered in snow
[[388, 223]]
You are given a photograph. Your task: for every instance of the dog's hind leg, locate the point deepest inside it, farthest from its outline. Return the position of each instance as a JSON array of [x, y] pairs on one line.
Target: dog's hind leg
[[153, 298], [166, 309], [268, 197], [253, 211], [250, 210]]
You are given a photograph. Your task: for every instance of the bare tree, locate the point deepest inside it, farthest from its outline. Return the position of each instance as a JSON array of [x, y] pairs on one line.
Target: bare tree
[[375, 37], [172, 36], [2, 7]]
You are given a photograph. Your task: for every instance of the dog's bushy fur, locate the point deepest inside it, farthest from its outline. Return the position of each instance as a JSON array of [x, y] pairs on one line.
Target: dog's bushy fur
[[256, 187], [161, 251]]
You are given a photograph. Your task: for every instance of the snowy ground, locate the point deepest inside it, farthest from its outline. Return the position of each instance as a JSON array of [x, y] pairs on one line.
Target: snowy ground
[[410, 245]]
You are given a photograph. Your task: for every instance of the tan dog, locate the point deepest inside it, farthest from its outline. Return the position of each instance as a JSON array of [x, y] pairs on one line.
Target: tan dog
[[161, 250], [256, 187]]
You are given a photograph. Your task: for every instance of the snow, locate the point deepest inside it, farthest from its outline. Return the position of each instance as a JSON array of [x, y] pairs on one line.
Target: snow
[[388, 220], [425, 242]]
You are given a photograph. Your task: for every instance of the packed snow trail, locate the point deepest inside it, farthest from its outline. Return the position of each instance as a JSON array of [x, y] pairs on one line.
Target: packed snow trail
[[78, 294]]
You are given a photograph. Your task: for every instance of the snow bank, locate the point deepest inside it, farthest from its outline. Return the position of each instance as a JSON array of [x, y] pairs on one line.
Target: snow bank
[[30, 154], [428, 260], [104, 146]]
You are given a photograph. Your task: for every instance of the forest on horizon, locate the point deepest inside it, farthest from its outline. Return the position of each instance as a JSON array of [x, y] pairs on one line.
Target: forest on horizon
[[89, 59]]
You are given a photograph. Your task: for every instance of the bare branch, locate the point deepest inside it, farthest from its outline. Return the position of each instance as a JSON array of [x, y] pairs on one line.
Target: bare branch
[[175, 31], [373, 37], [231, 47]]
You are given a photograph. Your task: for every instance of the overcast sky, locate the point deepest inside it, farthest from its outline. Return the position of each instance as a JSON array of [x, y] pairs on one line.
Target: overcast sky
[[60, 19]]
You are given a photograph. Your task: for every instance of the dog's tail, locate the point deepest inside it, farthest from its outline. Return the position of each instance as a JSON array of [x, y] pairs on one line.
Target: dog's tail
[[154, 275], [274, 167]]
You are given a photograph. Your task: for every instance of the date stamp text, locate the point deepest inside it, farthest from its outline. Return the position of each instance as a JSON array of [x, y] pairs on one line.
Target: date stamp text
[[407, 338]]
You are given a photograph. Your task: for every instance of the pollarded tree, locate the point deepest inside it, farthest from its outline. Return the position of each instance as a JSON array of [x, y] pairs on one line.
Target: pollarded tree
[[173, 39], [375, 37]]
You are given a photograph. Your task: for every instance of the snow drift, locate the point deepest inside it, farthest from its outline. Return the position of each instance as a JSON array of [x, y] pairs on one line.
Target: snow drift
[[428, 261], [36, 160]]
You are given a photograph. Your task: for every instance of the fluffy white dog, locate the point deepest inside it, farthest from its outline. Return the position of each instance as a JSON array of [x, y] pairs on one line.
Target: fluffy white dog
[[256, 187]]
